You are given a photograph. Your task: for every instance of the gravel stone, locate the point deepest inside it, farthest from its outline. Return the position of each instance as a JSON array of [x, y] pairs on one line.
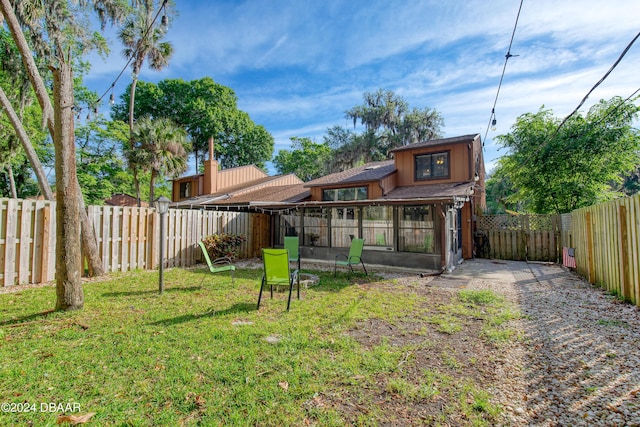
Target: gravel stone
[[579, 352]]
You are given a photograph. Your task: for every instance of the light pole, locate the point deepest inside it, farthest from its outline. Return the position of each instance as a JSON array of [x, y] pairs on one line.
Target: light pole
[[162, 206]]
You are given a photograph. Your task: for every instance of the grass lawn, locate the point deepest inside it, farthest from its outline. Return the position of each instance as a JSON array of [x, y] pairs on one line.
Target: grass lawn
[[203, 354]]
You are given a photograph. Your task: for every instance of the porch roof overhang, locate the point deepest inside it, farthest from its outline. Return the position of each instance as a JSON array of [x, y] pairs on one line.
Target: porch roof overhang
[[241, 200], [456, 194]]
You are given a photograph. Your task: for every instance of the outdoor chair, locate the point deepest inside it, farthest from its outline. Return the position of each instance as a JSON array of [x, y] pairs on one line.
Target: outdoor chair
[[291, 244], [219, 264], [278, 273], [354, 257]]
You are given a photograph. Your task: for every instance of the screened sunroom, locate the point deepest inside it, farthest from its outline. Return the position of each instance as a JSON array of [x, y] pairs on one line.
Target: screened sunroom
[[401, 235]]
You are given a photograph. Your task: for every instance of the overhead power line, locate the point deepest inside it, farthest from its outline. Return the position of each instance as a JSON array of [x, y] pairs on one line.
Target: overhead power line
[[615, 64], [546, 142], [133, 54], [589, 128], [492, 118]]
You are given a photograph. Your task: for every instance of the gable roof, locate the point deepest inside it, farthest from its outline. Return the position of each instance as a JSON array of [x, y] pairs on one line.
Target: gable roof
[[435, 142], [373, 171], [279, 188]]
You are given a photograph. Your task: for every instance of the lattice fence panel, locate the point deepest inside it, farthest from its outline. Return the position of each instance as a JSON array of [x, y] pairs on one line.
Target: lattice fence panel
[[542, 222], [499, 222]]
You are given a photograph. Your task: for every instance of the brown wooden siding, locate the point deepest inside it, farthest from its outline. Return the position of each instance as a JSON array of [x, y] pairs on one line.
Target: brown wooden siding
[[196, 187], [284, 180], [374, 191], [389, 183], [459, 155], [226, 178], [237, 176]]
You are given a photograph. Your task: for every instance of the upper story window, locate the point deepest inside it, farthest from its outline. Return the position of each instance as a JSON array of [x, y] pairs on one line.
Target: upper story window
[[341, 194], [430, 166]]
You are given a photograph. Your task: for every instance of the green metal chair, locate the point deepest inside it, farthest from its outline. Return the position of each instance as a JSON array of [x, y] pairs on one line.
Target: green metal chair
[[219, 264], [278, 273], [291, 244], [354, 257]]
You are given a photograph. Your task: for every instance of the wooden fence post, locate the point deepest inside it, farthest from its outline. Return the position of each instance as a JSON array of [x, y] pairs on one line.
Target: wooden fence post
[[591, 277], [154, 239], [10, 243], [624, 254]]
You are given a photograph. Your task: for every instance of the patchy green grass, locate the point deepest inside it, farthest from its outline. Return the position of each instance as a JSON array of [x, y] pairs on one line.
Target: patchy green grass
[[201, 354], [482, 305], [612, 322]]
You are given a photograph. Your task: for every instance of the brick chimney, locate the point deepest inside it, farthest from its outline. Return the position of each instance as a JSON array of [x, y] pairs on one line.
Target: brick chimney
[[210, 171]]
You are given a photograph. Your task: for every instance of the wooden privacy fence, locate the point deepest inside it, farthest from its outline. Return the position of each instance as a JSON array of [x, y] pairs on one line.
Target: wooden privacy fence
[[606, 238], [128, 237], [27, 241], [519, 237]]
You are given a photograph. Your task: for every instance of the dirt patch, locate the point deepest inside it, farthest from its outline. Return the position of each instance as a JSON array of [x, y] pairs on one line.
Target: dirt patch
[[430, 379]]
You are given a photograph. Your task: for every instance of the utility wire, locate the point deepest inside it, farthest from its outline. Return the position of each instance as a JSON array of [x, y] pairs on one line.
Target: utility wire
[[591, 126], [133, 54], [613, 110], [506, 59], [615, 64]]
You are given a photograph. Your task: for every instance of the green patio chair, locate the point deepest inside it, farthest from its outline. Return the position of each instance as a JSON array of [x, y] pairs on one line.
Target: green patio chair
[[380, 240], [291, 244], [278, 273], [354, 257], [219, 264]]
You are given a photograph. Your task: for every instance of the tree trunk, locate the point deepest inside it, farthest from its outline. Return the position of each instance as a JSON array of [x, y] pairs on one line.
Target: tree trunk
[[132, 97], [27, 59], [26, 144], [12, 181], [91, 246], [152, 183], [69, 291], [136, 184], [89, 241]]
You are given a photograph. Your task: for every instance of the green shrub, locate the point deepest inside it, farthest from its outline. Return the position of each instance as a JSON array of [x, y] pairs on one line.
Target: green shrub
[[224, 245]]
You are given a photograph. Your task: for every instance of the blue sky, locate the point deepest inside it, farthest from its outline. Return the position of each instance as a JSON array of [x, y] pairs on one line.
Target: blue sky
[[297, 65]]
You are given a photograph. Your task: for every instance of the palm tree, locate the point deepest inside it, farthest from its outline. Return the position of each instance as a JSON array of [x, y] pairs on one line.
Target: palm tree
[[136, 162], [141, 35], [160, 147]]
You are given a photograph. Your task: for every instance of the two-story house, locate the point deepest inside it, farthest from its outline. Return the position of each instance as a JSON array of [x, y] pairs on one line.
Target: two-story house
[[416, 210]]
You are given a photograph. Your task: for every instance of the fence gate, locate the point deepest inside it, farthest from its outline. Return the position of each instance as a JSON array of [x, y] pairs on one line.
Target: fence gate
[[518, 237]]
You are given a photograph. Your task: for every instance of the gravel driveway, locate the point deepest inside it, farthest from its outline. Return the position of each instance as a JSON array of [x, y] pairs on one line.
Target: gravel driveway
[[578, 363]]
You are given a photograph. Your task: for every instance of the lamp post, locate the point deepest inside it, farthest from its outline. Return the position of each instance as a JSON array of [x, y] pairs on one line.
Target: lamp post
[[162, 206]]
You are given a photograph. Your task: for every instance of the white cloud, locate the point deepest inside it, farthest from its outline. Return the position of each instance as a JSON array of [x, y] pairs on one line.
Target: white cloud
[[297, 66]]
